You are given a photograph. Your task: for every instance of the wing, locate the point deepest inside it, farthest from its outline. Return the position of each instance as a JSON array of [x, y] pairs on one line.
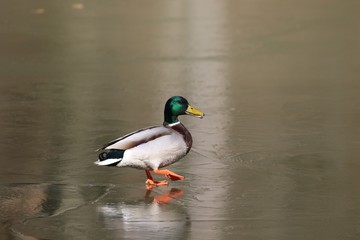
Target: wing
[[136, 138]]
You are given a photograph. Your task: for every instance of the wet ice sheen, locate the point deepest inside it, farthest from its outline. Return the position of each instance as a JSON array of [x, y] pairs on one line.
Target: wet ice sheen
[[275, 158]]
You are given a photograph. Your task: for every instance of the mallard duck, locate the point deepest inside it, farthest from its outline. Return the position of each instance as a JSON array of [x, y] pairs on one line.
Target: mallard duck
[[154, 147]]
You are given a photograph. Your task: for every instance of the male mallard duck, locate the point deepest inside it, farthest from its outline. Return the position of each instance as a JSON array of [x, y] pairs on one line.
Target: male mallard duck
[[154, 147]]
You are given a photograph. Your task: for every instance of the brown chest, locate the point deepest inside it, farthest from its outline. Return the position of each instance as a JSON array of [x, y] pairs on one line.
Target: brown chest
[[180, 128]]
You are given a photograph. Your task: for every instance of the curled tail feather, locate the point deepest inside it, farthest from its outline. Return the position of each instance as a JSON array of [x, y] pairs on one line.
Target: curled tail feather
[[111, 158]]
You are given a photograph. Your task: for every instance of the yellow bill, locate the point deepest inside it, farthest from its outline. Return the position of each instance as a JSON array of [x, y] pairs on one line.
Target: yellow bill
[[194, 112]]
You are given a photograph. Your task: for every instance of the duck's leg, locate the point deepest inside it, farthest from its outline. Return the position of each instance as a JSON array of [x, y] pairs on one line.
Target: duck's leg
[[150, 181], [169, 174]]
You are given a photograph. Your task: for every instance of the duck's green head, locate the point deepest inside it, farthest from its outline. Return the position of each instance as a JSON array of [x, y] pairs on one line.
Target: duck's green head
[[176, 106]]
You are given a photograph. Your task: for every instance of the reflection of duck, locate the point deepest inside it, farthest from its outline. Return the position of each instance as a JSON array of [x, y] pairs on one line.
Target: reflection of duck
[[153, 147], [154, 217], [166, 197]]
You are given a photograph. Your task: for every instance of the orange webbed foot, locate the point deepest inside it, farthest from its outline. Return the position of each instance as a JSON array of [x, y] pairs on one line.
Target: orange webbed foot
[[150, 183], [169, 174]]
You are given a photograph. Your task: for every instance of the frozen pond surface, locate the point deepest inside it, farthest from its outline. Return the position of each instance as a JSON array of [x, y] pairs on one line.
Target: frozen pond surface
[[276, 157]]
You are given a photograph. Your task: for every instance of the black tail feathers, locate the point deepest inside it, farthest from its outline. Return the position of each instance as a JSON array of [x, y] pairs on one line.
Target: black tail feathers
[[113, 153]]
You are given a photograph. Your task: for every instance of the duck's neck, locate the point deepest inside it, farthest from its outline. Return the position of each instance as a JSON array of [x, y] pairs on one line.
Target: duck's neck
[[170, 119]]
